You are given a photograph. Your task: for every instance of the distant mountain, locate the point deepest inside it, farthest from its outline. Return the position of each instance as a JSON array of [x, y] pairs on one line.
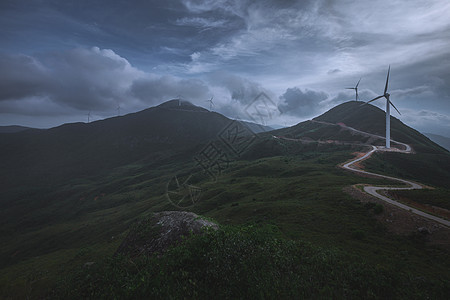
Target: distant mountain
[[12, 129], [257, 128], [439, 139]]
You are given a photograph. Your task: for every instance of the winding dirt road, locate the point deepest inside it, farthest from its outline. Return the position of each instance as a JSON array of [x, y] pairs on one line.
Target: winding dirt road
[[373, 190]]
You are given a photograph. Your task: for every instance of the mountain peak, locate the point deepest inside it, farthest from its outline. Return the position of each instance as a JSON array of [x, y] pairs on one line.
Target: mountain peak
[[178, 104]]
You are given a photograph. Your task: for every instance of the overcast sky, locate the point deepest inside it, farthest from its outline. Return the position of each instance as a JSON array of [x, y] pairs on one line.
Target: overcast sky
[[60, 60]]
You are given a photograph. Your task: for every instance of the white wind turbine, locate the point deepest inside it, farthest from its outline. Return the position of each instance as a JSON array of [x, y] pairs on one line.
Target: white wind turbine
[[355, 88], [89, 116], [211, 103], [388, 110], [179, 100]]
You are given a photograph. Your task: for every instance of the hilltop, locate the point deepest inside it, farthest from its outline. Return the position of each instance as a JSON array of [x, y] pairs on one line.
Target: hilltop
[[370, 118]]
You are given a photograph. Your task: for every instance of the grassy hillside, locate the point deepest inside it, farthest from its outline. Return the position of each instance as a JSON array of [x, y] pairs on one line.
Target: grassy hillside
[[299, 190], [281, 202], [44, 157]]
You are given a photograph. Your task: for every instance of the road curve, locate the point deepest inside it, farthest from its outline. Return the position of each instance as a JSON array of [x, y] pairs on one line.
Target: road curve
[[373, 190]]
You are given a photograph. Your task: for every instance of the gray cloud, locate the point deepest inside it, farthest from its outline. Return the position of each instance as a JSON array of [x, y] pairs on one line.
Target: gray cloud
[[21, 76], [254, 46], [86, 79], [301, 103], [333, 71], [240, 89]]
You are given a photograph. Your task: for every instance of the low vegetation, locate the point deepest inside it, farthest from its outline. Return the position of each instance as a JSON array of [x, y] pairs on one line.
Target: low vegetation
[[248, 262], [287, 227]]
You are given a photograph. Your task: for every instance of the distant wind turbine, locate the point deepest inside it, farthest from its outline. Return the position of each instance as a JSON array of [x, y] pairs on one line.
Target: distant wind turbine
[[118, 110], [179, 100], [355, 88], [89, 116], [388, 110], [211, 103]]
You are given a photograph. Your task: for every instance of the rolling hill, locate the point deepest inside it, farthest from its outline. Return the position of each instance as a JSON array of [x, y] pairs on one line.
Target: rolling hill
[[80, 149], [370, 118], [12, 129], [70, 194]]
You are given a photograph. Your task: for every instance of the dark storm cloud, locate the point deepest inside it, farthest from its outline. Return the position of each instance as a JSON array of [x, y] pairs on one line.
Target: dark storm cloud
[[239, 88], [80, 78], [301, 103], [254, 46], [21, 76], [88, 80]]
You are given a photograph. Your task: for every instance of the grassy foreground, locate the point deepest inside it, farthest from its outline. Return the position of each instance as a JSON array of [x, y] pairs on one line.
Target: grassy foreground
[[307, 238], [247, 262]]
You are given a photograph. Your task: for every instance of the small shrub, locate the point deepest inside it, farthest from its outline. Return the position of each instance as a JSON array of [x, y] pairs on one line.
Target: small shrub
[[378, 209]]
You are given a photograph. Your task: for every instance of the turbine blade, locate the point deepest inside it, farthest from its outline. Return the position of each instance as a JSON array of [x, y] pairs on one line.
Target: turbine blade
[[394, 107], [387, 80], [358, 82], [375, 99], [349, 88]]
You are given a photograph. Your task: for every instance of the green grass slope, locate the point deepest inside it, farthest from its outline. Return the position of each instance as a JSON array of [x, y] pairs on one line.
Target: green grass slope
[[322, 243]]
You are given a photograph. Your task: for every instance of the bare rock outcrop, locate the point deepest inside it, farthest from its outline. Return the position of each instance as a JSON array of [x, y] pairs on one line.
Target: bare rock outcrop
[[160, 231]]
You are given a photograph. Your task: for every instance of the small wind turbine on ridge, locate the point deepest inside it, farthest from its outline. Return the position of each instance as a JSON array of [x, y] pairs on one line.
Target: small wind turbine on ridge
[[211, 103], [179, 100], [89, 116], [118, 110], [388, 110], [355, 88]]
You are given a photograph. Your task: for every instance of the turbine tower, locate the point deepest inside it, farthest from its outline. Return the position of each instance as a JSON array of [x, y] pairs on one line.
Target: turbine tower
[[211, 103], [355, 88], [388, 110], [89, 116], [118, 110]]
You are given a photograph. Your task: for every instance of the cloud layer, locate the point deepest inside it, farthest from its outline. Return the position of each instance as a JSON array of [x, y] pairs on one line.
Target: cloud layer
[[92, 56]]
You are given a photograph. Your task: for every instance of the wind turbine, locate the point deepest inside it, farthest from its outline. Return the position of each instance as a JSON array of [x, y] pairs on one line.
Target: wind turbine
[[211, 103], [118, 110], [89, 116], [179, 100], [355, 88], [388, 110]]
